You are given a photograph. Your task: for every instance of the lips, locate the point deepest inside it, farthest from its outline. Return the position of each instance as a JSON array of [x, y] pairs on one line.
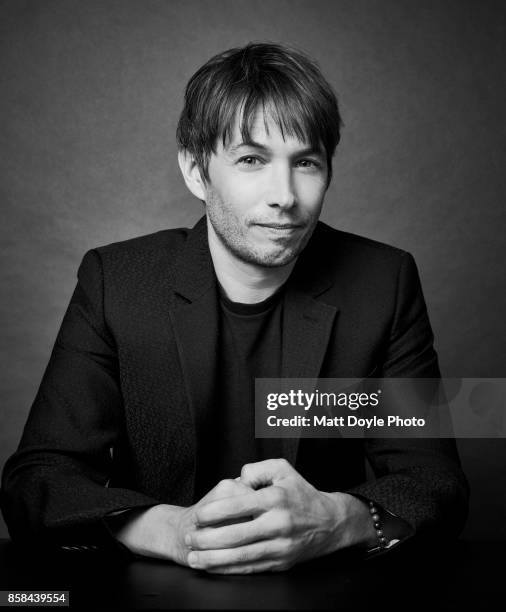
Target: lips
[[279, 226]]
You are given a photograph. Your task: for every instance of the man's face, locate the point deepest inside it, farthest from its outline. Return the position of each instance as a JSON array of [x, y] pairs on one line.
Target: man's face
[[264, 197]]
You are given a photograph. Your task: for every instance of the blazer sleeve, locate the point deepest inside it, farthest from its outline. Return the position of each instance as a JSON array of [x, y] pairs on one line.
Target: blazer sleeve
[[418, 480], [54, 487]]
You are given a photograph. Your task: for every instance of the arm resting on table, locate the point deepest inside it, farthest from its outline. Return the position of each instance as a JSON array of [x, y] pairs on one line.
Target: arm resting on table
[[418, 480], [55, 486]]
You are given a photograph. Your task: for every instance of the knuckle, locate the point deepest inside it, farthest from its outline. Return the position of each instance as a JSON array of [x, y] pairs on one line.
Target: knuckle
[[282, 465], [246, 468], [281, 566], [194, 559], [197, 541], [225, 484], [242, 557], [285, 549], [190, 540]]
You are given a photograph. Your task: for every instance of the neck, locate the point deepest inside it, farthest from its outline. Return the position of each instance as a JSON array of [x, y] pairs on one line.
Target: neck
[[244, 282]]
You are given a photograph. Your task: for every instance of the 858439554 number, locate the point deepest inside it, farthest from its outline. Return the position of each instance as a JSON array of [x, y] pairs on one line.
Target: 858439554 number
[[34, 598]]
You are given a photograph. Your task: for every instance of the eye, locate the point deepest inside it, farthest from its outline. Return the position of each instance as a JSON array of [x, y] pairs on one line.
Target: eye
[[308, 163], [249, 160]]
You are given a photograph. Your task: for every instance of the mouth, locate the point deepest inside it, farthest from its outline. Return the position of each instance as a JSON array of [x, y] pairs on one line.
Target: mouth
[[280, 226]]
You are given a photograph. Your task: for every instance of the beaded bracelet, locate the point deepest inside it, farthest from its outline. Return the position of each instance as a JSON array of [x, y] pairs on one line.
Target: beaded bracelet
[[382, 541]]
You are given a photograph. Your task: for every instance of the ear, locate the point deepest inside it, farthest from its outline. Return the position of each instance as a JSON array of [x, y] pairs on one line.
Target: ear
[[191, 174]]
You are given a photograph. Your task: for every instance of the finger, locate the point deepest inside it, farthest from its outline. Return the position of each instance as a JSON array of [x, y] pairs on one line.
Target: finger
[[226, 488], [265, 473], [250, 568], [249, 504], [267, 550], [264, 527]]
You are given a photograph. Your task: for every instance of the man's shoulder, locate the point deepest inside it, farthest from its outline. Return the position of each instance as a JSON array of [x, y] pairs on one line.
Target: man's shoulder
[[135, 260], [355, 270], [345, 248], [166, 241]]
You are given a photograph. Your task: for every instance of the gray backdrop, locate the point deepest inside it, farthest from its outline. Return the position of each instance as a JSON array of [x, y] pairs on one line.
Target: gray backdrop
[[90, 95]]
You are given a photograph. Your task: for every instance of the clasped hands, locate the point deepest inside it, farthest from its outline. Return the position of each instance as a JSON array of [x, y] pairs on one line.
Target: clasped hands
[[268, 519]]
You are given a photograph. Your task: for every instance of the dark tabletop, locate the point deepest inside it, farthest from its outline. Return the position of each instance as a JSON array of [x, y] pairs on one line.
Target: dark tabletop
[[460, 576]]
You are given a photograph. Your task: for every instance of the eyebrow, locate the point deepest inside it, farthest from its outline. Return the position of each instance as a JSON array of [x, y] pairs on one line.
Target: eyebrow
[[259, 146]]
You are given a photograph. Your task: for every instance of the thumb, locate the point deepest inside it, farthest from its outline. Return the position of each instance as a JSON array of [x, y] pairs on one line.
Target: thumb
[[265, 473]]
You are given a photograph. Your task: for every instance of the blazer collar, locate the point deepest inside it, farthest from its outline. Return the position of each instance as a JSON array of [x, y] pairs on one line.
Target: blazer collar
[[193, 268]]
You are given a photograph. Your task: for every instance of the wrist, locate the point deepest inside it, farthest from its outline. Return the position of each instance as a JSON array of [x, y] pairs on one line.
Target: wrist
[[172, 518], [388, 528], [354, 526], [151, 532]]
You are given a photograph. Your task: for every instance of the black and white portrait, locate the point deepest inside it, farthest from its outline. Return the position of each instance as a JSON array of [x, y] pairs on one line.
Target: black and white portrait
[[197, 196]]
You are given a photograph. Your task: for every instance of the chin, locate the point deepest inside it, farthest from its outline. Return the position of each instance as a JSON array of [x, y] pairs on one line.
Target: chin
[[271, 259]]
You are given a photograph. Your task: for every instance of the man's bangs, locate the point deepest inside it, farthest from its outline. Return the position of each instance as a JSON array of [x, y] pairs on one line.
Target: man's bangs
[[290, 114]]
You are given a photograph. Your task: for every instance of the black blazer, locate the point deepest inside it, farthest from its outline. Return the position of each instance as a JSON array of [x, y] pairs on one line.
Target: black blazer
[[115, 423]]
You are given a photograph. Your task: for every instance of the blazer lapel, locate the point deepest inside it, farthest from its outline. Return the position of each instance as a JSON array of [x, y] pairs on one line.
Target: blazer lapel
[[307, 325], [194, 317]]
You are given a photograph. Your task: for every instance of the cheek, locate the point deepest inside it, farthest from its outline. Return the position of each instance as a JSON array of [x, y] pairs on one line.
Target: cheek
[[310, 194], [310, 186], [239, 197]]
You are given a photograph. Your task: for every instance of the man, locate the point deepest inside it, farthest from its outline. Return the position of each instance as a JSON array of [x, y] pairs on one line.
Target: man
[[143, 426]]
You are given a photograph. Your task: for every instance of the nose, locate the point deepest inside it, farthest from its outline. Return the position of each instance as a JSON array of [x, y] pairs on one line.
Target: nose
[[281, 189]]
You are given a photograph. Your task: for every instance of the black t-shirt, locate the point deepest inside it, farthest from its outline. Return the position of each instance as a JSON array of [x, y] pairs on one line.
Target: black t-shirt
[[249, 347]]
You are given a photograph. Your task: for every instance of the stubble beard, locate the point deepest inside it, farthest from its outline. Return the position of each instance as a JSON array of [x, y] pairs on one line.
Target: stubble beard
[[232, 236]]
